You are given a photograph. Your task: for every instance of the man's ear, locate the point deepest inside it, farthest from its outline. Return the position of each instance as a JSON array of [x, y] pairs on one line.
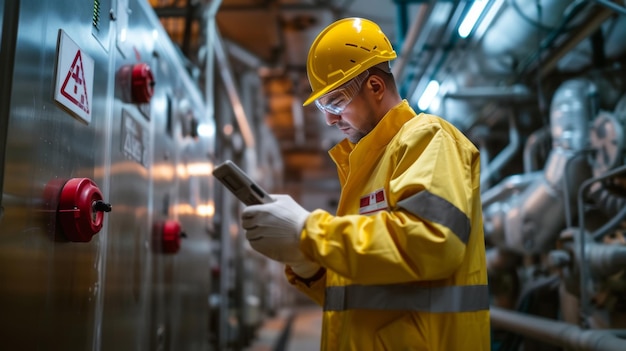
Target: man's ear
[[377, 86]]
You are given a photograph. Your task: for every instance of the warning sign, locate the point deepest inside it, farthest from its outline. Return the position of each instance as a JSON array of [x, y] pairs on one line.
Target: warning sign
[[74, 79], [76, 90]]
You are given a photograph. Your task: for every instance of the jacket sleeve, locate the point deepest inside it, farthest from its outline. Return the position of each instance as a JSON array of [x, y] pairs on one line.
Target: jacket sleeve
[[423, 234], [313, 287]]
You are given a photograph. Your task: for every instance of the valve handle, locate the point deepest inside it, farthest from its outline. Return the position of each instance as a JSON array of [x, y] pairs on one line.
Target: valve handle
[[101, 206]]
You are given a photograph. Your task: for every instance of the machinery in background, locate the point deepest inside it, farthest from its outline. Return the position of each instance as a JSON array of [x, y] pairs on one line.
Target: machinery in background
[[555, 233]]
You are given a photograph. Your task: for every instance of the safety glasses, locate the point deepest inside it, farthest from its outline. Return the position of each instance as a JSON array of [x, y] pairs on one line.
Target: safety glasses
[[337, 100]]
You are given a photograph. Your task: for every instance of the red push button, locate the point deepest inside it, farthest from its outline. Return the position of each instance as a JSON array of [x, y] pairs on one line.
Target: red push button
[[171, 236], [142, 83], [81, 209]]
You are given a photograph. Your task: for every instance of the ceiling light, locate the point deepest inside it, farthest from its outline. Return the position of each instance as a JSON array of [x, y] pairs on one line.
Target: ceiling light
[[206, 130], [471, 17], [428, 95]]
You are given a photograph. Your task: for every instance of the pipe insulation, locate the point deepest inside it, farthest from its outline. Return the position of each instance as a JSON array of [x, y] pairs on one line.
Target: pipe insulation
[[561, 334], [605, 260]]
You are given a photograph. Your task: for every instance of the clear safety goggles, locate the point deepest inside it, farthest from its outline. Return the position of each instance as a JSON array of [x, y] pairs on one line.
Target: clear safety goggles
[[337, 100]]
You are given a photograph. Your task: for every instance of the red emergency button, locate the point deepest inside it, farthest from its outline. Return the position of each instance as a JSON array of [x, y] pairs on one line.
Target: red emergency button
[[142, 83], [81, 209], [171, 236]]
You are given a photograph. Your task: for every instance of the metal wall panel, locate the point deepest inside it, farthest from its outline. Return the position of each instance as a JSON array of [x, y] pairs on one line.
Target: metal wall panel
[[120, 290], [48, 287]]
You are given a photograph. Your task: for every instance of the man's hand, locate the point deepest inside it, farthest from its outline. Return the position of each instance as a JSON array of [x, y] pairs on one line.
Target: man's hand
[[274, 229]]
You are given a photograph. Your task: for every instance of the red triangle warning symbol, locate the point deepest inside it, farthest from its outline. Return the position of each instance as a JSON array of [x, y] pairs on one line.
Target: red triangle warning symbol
[[74, 87]]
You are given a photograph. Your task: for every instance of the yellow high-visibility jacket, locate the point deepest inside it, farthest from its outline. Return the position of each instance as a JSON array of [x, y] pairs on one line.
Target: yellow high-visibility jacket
[[404, 257]]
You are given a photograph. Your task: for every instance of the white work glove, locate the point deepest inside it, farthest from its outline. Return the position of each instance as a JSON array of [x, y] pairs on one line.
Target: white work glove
[[274, 229]]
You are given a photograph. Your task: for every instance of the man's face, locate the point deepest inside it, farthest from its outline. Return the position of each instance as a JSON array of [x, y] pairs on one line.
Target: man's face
[[357, 119]]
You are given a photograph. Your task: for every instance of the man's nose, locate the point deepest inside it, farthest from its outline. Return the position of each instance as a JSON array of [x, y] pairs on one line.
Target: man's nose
[[331, 119]]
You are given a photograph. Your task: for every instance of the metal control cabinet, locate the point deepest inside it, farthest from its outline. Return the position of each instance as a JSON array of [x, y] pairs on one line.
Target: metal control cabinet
[[126, 288]]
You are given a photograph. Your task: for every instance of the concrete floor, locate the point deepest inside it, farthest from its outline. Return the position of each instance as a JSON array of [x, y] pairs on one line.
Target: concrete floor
[[297, 329]]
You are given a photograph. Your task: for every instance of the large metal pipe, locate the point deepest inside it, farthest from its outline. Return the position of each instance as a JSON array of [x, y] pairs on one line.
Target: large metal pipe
[[411, 38], [605, 260], [591, 24], [492, 93], [209, 88], [231, 87], [504, 156], [561, 334], [613, 6], [580, 240]]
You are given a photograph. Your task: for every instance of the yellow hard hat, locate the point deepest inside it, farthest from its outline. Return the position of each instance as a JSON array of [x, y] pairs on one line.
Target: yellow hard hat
[[342, 51]]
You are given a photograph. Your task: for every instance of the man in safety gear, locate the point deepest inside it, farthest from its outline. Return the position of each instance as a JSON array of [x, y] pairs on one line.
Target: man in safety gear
[[401, 266]]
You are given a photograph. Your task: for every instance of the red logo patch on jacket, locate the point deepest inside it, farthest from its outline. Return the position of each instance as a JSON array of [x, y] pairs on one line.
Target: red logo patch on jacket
[[373, 202]]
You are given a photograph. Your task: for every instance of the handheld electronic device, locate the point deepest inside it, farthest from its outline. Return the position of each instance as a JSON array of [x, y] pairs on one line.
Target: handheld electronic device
[[240, 184]]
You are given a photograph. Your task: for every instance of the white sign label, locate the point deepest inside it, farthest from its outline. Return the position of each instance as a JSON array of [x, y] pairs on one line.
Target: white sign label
[[74, 81]]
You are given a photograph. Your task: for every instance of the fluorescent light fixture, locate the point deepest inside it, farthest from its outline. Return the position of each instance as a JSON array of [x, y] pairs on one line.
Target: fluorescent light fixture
[[435, 104], [429, 94], [471, 17], [206, 130]]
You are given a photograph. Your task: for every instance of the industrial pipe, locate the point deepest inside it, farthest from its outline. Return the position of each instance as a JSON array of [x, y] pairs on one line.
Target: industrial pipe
[[508, 187], [534, 145], [412, 36], [561, 334], [231, 88], [609, 226], [591, 24], [605, 260], [580, 239], [503, 156], [515, 92], [613, 6]]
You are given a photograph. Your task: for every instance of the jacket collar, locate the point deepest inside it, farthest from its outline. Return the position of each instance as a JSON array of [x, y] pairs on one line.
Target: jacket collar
[[380, 136]]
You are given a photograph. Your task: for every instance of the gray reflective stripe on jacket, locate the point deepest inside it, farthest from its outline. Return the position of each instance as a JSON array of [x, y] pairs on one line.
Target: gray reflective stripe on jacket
[[437, 209], [467, 298]]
